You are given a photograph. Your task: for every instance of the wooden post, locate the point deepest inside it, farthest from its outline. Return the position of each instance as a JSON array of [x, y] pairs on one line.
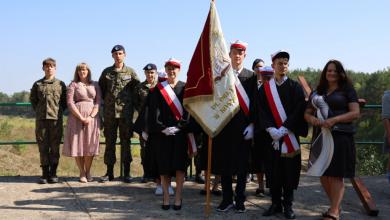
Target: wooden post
[[365, 196], [210, 145]]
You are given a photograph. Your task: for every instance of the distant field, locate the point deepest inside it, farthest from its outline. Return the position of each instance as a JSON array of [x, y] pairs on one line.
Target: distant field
[[24, 159]]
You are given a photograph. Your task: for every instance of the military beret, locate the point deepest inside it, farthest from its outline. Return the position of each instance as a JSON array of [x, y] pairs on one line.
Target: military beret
[[118, 48], [150, 66]]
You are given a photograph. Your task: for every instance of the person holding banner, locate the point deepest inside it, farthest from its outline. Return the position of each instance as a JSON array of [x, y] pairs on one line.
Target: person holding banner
[[337, 91], [281, 105], [169, 124], [232, 145]]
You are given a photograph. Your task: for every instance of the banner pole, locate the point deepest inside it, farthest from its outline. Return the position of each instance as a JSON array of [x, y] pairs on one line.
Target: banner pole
[[207, 210]]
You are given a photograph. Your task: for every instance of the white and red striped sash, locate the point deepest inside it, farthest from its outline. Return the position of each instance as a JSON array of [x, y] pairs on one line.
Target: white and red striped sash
[[177, 109], [243, 98], [290, 143]]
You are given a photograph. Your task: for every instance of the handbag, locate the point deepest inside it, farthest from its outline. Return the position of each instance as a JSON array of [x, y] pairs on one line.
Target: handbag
[[348, 128]]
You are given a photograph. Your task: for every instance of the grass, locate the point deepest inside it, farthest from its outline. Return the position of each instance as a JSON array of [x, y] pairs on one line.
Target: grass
[[24, 159]]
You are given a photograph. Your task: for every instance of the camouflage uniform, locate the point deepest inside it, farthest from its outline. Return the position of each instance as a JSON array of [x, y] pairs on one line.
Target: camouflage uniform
[[119, 92], [48, 99], [143, 91]]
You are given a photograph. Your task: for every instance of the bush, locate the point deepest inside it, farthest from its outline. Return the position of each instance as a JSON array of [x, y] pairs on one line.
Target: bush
[[370, 160]]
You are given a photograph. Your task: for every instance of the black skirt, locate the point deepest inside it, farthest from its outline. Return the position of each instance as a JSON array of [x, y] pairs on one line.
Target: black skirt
[[344, 156], [171, 153]]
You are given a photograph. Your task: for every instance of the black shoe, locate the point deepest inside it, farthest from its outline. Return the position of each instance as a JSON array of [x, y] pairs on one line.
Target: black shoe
[[273, 209], [165, 207], [127, 179], [259, 192], [53, 179], [42, 180], [199, 179], [240, 207], [225, 206], [178, 207], [106, 178], [289, 213]]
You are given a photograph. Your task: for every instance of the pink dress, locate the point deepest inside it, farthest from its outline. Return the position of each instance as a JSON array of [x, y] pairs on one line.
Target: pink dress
[[79, 139]]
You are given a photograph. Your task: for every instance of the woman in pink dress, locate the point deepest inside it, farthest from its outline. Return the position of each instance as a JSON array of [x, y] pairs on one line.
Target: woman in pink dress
[[82, 133]]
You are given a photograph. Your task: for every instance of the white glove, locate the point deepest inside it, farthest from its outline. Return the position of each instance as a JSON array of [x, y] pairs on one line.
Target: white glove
[[274, 133], [283, 130], [174, 130], [170, 131], [248, 132], [275, 144], [166, 131], [145, 135]]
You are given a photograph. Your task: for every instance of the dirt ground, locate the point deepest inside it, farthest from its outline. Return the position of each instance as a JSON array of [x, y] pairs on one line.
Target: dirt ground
[[22, 198]]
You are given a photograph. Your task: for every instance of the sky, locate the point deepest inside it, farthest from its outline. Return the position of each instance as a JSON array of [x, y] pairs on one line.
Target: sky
[[357, 32]]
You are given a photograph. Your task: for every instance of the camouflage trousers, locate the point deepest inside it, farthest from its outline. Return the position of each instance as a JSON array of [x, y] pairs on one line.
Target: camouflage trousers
[[48, 134], [111, 126]]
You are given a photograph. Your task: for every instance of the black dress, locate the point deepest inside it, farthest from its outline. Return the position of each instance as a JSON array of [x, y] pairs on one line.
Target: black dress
[[344, 154], [170, 151]]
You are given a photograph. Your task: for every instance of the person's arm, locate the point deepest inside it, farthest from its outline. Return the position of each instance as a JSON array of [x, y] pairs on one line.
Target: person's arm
[[34, 96], [351, 115], [97, 101], [353, 110], [386, 124], [63, 103], [102, 84], [310, 118], [71, 102]]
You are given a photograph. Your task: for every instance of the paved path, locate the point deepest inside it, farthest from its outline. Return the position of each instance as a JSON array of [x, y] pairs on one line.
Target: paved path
[[22, 198]]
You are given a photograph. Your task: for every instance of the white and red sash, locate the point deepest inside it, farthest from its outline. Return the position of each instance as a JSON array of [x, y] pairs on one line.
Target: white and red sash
[[290, 144], [243, 98], [177, 109]]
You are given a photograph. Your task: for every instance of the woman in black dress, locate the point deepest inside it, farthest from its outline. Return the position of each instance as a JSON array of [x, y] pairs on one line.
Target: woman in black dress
[[169, 128], [338, 92]]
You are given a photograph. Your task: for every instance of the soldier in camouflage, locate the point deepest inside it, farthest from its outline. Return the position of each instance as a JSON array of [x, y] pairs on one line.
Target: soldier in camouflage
[[48, 99], [119, 85], [150, 82]]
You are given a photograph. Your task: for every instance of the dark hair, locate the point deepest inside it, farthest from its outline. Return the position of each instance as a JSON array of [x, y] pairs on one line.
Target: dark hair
[[343, 81], [256, 62], [76, 77], [49, 61]]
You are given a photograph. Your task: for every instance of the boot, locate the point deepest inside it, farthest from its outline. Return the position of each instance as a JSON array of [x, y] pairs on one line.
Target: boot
[[45, 175], [53, 174], [109, 176], [126, 176]]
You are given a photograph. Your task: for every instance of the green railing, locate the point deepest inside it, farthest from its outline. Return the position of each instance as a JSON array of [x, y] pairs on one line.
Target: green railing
[[368, 106]]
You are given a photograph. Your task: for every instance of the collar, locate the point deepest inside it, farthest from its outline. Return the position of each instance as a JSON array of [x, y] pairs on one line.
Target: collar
[[282, 81], [237, 72]]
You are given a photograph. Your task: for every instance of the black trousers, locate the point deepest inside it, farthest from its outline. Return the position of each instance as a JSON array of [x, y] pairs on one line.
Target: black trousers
[[227, 188], [278, 192]]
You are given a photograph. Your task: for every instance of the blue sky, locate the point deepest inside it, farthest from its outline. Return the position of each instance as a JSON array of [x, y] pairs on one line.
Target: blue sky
[[357, 32]]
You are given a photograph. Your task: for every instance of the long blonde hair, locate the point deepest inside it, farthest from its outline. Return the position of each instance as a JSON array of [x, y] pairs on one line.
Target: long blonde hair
[[79, 66]]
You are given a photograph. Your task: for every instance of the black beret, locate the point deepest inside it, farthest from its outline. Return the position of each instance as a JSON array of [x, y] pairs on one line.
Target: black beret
[[150, 66], [256, 62], [118, 48]]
